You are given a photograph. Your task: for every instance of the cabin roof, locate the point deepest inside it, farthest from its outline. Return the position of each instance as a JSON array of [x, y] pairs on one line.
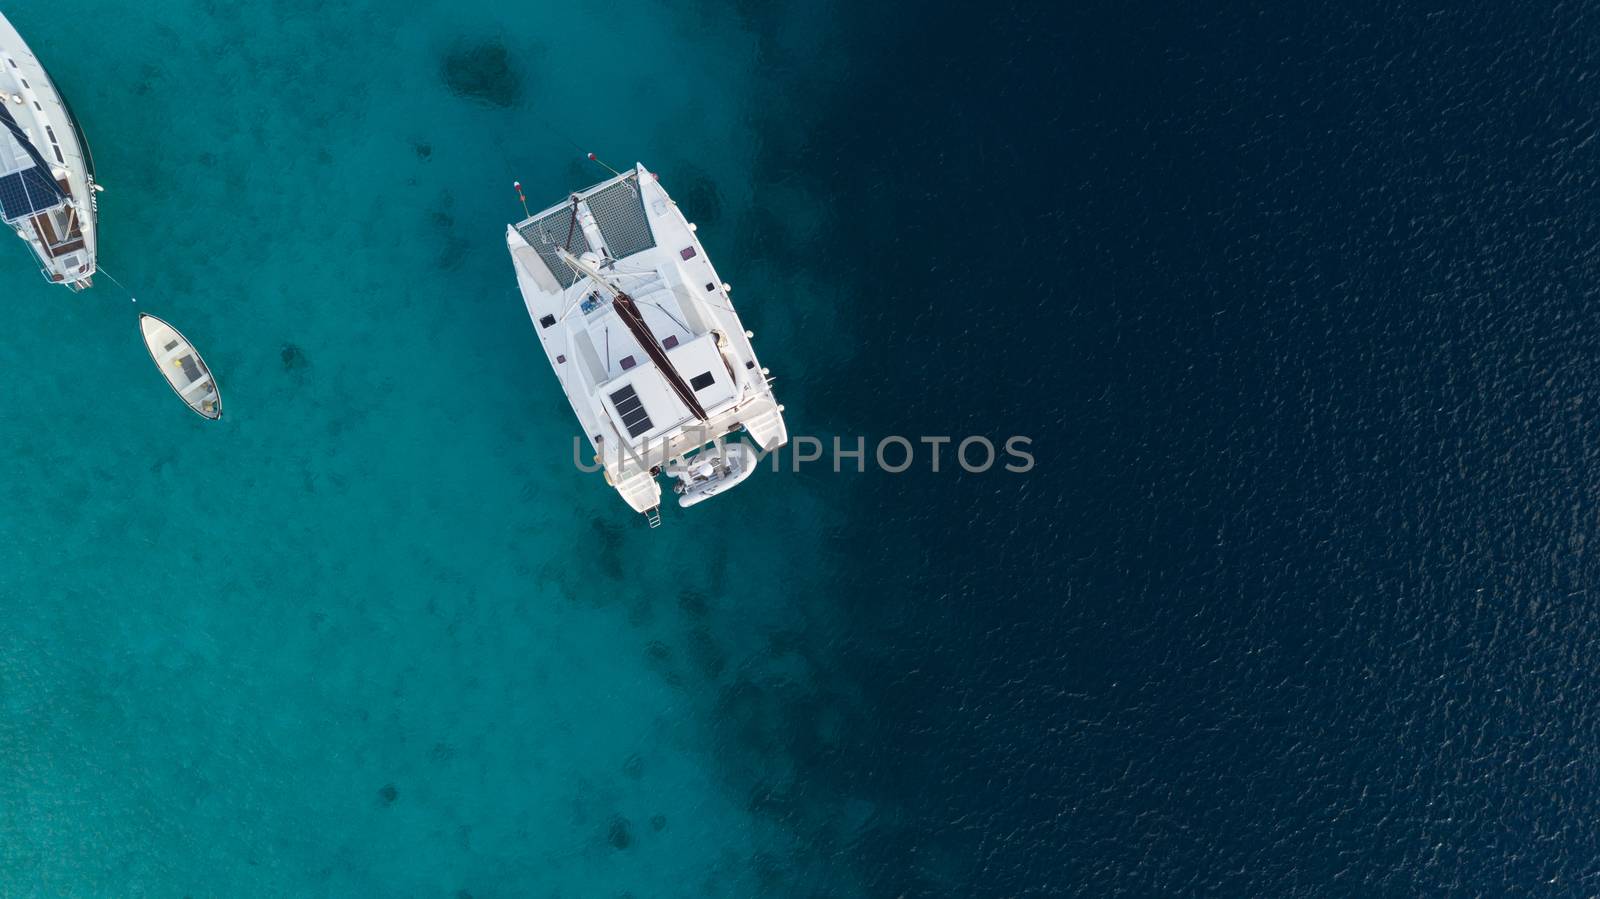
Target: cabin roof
[[643, 405]]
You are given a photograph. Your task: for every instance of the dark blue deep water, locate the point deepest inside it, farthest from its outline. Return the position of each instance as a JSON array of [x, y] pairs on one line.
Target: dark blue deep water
[[1292, 301], [1296, 302]]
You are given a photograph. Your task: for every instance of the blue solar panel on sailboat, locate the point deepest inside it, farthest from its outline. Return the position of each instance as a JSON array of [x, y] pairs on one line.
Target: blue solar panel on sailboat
[[26, 192]]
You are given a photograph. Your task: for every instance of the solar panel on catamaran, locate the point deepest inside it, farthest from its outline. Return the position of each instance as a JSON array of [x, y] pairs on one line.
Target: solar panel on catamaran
[[631, 408]]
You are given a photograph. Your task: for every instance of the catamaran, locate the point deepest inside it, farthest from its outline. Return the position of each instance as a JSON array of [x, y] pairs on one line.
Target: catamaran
[[643, 337], [47, 189]]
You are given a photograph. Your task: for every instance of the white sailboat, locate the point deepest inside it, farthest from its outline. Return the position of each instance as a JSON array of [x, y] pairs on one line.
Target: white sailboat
[[47, 189], [643, 337]]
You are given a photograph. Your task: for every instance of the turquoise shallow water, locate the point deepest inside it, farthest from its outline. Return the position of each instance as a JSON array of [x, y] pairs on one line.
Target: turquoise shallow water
[[370, 634]]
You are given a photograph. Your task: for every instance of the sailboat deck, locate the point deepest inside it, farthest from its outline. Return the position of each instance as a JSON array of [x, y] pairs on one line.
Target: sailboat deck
[[47, 190], [57, 245]]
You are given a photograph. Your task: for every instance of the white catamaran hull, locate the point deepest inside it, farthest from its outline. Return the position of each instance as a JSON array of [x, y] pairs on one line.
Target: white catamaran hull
[[39, 132]]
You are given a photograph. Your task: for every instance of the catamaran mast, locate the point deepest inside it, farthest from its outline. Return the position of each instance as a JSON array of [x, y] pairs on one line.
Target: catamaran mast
[[629, 312]]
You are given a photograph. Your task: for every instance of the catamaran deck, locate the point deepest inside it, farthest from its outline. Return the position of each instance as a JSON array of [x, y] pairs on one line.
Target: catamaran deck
[[637, 416]]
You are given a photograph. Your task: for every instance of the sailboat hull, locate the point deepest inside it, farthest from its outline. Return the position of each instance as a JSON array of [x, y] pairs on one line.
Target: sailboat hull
[[63, 237]]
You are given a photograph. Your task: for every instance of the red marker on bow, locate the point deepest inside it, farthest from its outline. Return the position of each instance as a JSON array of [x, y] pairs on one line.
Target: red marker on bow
[[595, 159]]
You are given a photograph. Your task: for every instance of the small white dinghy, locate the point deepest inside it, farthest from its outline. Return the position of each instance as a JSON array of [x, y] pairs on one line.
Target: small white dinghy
[[709, 473], [182, 366]]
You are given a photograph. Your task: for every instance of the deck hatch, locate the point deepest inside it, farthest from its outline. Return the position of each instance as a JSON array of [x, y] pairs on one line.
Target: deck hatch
[[619, 211]]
